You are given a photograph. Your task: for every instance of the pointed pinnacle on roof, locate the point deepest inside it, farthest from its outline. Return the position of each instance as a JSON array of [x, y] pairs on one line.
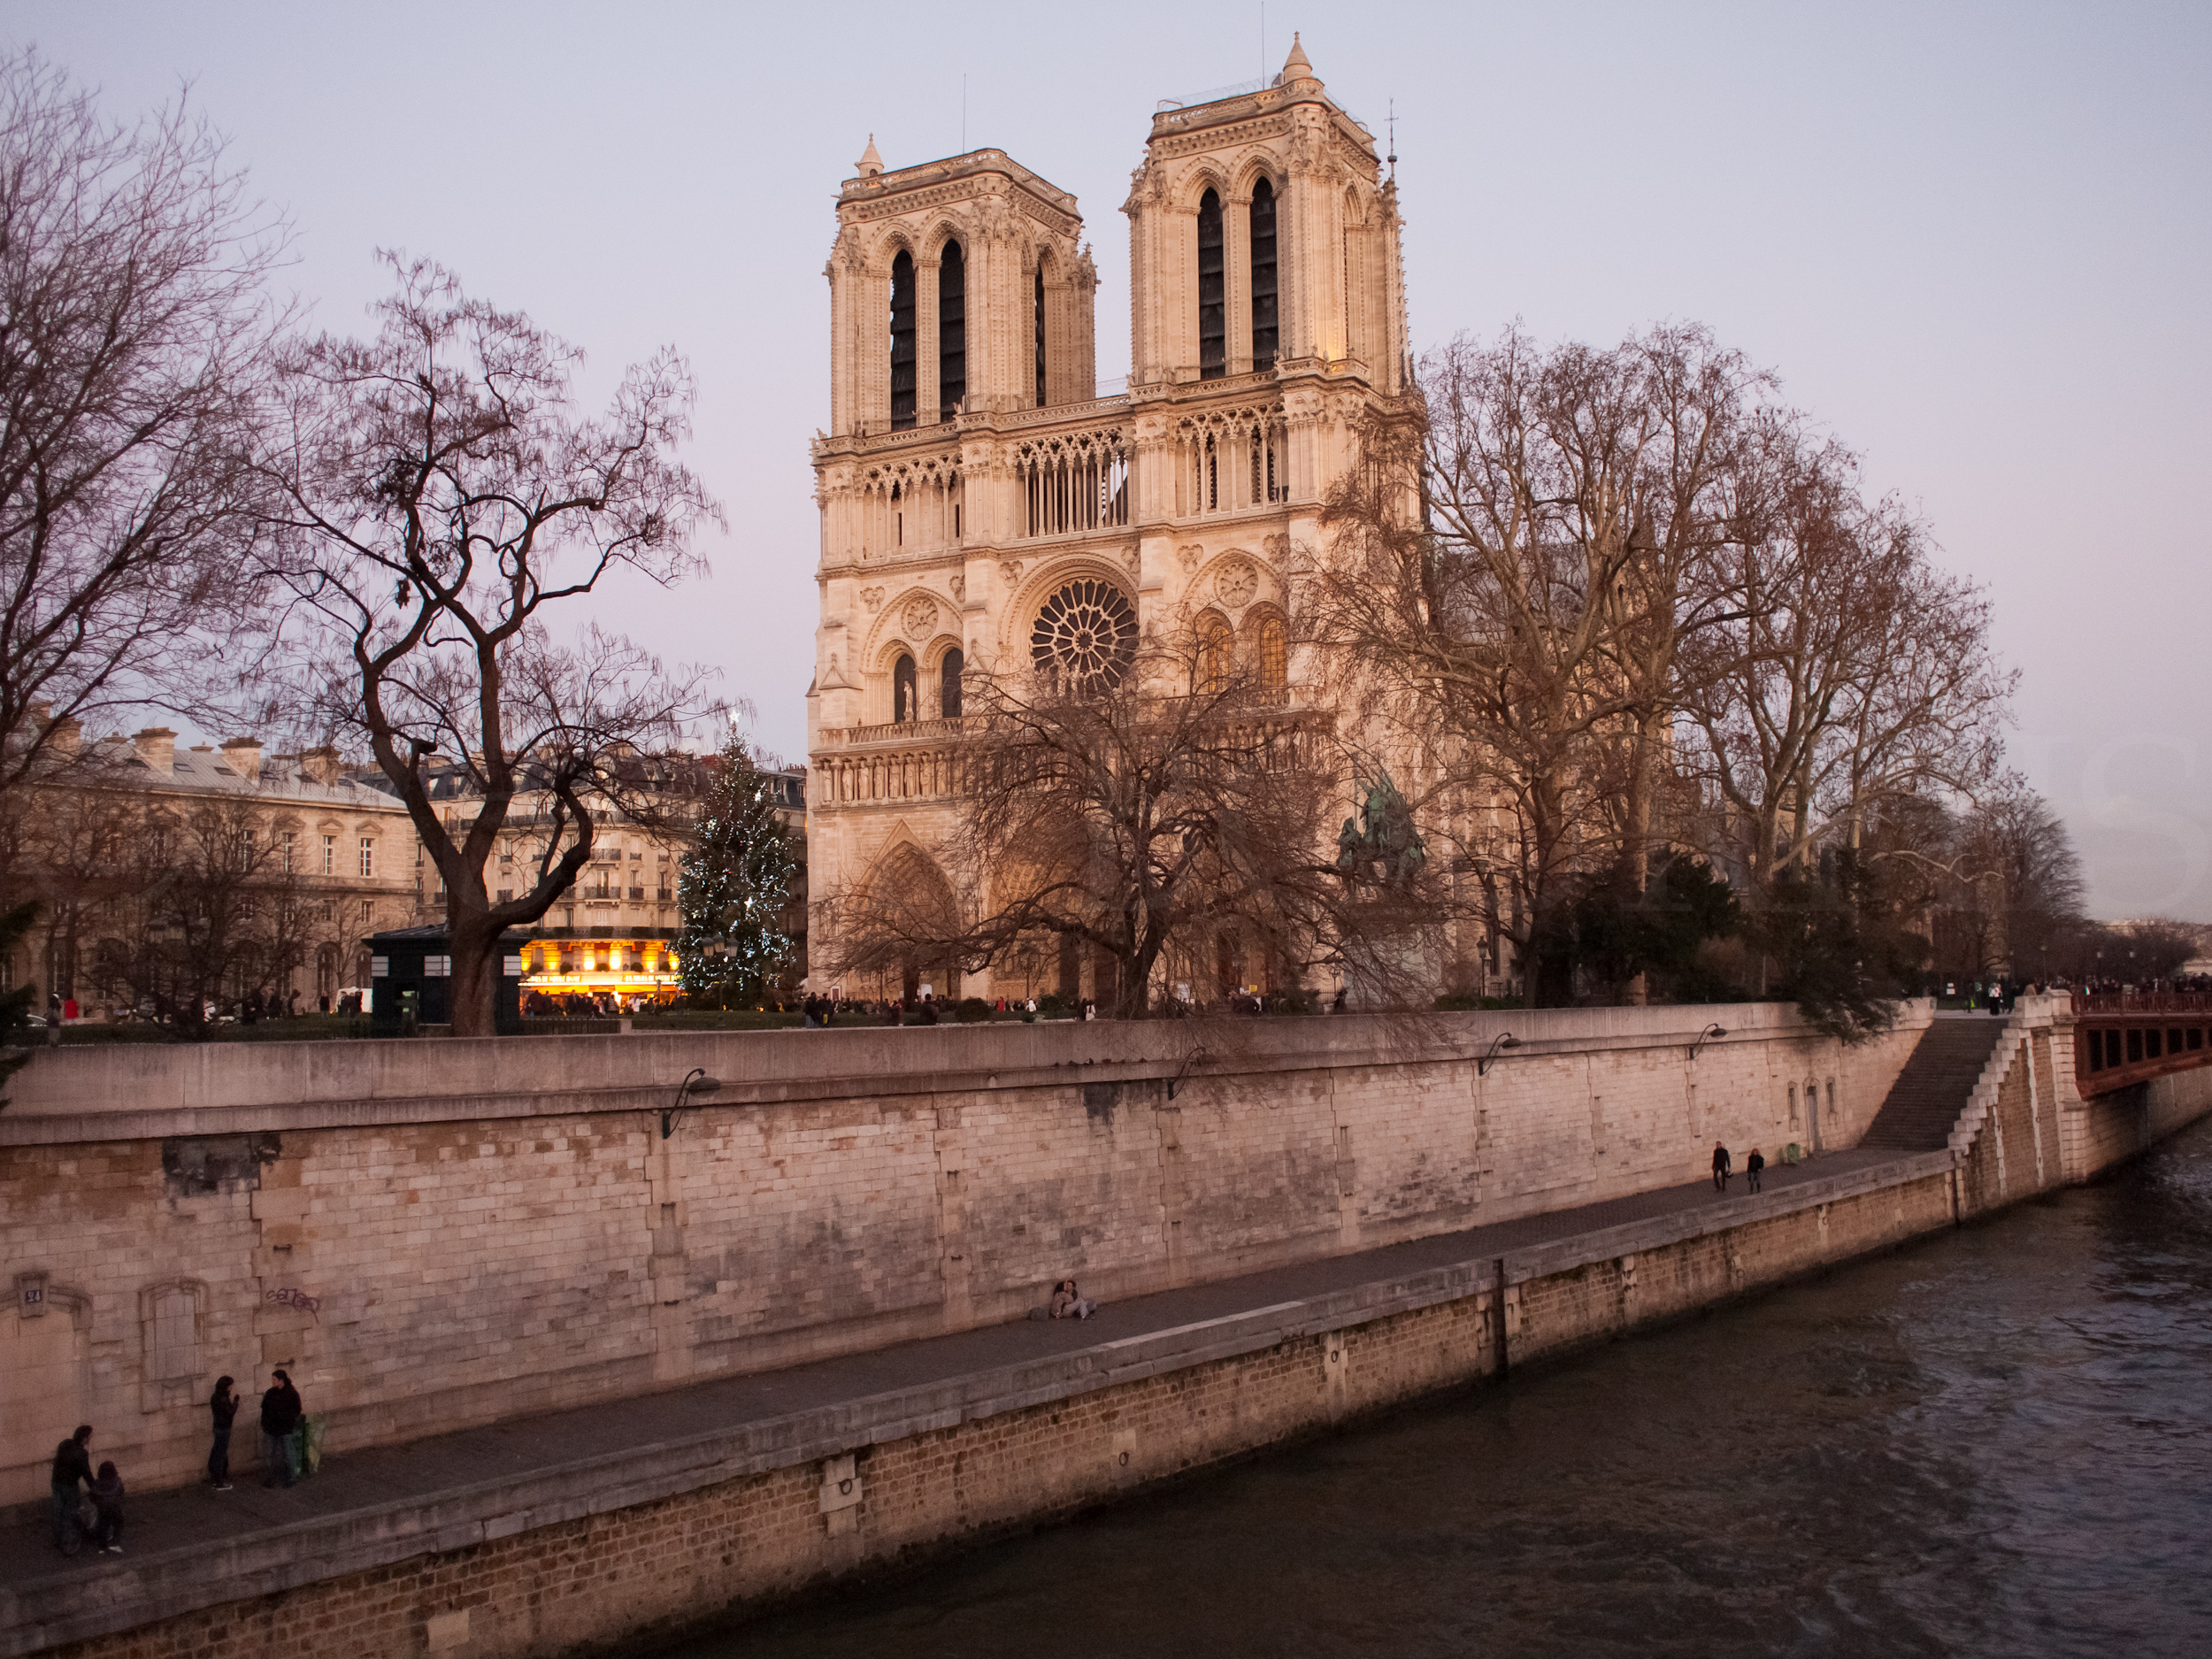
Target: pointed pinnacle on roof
[[871, 162], [1298, 66]]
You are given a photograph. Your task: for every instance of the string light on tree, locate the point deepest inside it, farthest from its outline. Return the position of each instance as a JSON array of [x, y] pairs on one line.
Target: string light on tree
[[732, 889]]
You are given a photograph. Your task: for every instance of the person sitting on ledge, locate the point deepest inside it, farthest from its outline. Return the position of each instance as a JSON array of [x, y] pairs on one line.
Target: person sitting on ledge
[[1066, 1304]]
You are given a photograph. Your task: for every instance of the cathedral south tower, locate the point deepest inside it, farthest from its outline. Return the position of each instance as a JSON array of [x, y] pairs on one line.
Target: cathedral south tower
[[982, 505]]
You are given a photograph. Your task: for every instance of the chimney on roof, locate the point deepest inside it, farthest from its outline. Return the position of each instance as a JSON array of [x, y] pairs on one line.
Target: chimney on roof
[[243, 755], [64, 738], [321, 765], [157, 745]]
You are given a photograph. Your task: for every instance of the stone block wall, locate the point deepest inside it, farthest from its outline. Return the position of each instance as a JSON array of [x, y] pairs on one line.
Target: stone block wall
[[435, 1233], [619, 1578]]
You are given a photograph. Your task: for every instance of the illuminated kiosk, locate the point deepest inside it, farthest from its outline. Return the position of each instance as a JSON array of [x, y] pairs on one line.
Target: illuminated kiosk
[[635, 965]]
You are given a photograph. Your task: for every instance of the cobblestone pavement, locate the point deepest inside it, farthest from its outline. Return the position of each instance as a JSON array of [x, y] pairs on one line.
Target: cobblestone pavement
[[159, 1523]]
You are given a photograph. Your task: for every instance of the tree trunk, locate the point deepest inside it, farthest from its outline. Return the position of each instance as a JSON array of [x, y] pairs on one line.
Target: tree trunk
[[473, 993]]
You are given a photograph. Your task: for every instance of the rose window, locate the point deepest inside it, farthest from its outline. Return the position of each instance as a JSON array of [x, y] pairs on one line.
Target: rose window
[[1086, 636]]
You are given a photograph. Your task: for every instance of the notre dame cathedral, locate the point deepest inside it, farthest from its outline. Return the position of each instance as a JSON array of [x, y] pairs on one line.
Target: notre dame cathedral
[[984, 501]]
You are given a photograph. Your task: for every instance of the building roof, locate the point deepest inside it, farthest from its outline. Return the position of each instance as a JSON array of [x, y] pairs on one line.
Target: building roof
[[117, 763]]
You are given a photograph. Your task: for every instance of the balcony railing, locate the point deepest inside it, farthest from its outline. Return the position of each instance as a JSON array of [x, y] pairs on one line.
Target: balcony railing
[[893, 732]]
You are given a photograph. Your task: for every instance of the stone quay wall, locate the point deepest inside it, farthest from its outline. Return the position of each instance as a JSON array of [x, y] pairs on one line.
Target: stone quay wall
[[434, 1233], [594, 1560], [599, 1557]]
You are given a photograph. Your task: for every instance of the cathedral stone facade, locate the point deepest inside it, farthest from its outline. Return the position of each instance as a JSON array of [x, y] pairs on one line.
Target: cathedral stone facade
[[982, 505]]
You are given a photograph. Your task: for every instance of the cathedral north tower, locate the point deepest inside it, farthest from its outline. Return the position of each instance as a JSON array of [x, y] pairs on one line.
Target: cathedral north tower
[[984, 507]]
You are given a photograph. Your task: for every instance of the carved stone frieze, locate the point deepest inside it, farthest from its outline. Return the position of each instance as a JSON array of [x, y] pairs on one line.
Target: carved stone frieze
[[920, 618], [872, 597]]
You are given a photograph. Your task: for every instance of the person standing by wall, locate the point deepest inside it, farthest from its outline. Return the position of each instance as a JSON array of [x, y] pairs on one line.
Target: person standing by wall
[[222, 1407], [1720, 1167], [279, 1421], [73, 1472], [1753, 1167]]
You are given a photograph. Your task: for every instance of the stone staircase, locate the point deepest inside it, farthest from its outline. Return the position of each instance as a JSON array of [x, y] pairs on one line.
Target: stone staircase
[[1938, 1084]]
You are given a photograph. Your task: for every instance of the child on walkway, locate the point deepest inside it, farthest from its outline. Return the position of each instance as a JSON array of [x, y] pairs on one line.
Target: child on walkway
[[107, 1504]]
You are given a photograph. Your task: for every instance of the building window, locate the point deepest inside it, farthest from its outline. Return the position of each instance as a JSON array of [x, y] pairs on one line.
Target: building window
[[1274, 659], [1213, 328], [1040, 336], [330, 854], [368, 910], [902, 341], [903, 708], [1264, 333], [952, 332], [506, 895], [368, 855], [284, 850], [1216, 655], [949, 684], [1086, 637]]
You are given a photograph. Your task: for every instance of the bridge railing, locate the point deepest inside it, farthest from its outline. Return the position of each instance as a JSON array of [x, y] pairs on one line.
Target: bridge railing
[[2123, 1038], [2143, 1002]]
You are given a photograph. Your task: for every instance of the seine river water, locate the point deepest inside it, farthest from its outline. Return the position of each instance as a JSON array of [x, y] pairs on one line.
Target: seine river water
[[1997, 1442]]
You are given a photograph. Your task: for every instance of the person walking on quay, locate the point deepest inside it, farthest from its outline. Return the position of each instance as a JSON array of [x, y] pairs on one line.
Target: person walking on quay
[[222, 1407], [279, 1421], [73, 1472], [107, 1506], [1720, 1167], [1751, 1166]]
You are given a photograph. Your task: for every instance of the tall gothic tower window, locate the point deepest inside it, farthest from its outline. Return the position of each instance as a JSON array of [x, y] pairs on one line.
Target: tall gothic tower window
[[1213, 324], [902, 701], [1264, 335], [902, 341], [1039, 314], [949, 684], [952, 332]]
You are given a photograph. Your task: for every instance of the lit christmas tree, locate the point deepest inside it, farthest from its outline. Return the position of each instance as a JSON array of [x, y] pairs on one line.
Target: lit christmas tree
[[732, 889]]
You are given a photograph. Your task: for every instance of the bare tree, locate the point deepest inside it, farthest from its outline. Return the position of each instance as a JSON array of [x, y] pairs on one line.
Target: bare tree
[[1469, 604], [1849, 673], [133, 337], [1155, 811], [442, 491], [199, 911]]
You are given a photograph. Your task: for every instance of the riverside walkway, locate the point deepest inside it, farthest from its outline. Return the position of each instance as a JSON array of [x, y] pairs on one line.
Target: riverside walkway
[[175, 1537]]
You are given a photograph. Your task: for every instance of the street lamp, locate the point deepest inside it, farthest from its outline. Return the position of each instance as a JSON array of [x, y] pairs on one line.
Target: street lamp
[[1505, 1039], [697, 1083], [1706, 1036]]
